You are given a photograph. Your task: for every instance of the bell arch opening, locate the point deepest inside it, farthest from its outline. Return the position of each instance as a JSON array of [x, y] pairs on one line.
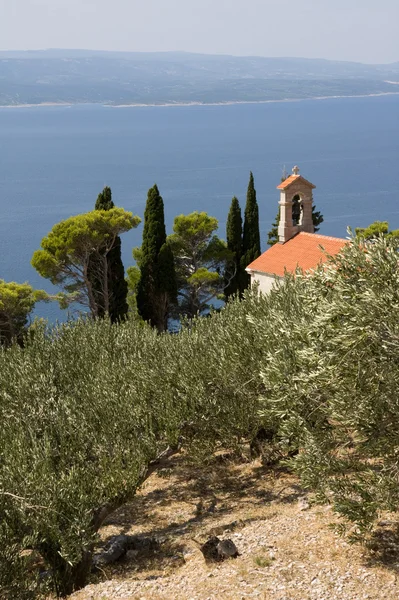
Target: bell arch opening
[[297, 210]]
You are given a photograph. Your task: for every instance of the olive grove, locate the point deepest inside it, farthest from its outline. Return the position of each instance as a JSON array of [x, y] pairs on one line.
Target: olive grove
[[87, 407]]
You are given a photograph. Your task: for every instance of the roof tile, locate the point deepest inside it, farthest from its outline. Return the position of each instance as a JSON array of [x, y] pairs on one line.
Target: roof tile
[[291, 179], [303, 251]]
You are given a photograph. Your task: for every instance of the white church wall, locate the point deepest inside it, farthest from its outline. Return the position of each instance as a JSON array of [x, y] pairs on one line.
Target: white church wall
[[266, 282]]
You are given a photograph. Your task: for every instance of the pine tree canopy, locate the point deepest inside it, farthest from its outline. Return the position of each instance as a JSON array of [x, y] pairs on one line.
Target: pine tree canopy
[[75, 256], [202, 262], [376, 230], [272, 236], [16, 303]]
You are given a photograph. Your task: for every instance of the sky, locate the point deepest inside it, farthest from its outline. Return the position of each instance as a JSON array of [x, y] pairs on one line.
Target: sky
[[357, 30]]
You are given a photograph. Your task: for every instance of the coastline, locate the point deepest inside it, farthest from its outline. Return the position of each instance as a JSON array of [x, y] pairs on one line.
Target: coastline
[[196, 103]]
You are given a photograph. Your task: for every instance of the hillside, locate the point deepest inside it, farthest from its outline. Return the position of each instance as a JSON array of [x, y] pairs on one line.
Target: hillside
[[117, 78], [287, 549]]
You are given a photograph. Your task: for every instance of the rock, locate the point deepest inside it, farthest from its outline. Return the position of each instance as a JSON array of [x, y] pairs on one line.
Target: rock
[[217, 550], [120, 545], [227, 549], [210, 548], [115, 548], [303, 504], [142, 543], [132, 554]]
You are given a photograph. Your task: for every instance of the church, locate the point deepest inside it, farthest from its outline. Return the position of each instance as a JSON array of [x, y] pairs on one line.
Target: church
[[298, 245]]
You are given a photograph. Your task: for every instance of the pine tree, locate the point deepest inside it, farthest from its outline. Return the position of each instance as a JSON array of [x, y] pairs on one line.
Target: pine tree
[[251, 235], [234, 244], [201, 260], [272, 236], [156, 289], [317, 218], [117, 285]]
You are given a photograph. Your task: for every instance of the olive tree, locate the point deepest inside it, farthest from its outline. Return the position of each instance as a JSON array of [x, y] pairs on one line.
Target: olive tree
[[331, 380], [82, 416], [86, 408]]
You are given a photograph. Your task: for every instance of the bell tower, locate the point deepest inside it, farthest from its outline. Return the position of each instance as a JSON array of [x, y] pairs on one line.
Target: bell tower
[[296, 203]]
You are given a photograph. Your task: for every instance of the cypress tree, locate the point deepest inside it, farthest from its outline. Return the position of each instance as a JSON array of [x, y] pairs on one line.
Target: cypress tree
[[251, 235], [234, 244], [104, 200], [117, 284], [156, 289]]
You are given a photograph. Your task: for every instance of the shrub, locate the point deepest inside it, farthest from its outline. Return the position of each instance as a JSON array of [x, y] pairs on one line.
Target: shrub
[[85, 408], [332, 383], [83, 412]]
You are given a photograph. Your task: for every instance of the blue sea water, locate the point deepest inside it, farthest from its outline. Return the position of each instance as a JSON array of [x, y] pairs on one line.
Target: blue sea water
[[55, 160]]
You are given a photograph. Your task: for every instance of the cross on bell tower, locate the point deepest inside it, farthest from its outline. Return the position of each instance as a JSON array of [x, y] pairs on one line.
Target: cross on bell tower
[[296, 204]]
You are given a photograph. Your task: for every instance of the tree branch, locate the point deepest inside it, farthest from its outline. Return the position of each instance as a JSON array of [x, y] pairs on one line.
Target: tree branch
[[102, 513]]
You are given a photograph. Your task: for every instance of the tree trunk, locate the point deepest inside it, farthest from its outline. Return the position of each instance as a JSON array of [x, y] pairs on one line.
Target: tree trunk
[[68, 579], [106, 284], [90, 295]]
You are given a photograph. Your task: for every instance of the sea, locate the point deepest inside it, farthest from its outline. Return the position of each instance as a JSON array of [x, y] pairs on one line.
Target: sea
[[54, 160]]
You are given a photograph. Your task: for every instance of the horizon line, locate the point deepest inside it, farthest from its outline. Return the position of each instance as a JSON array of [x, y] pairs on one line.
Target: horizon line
[[38, 50]]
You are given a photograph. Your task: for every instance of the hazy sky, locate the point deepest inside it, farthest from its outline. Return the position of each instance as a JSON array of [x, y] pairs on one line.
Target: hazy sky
[[362, 30]]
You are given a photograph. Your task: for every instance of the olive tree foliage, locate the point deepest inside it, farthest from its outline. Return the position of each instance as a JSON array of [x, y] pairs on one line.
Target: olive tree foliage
[[331, 380], [85, 408], [16, 304], [82, 414], [219, 360], [75, 253]]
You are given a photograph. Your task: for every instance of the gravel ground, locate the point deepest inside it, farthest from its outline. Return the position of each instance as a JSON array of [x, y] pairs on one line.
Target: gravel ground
[[288, 550]]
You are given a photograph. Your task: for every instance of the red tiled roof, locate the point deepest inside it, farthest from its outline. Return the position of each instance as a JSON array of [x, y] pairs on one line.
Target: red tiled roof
[[303, 251], [285, 184]]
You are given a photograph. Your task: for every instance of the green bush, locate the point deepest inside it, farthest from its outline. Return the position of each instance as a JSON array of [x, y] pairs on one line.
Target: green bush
[[331, 383], [82, 413], [219, 360], [86, 407]]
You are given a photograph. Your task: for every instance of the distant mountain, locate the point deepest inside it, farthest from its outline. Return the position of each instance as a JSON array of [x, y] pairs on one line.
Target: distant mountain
[[83, 76]]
